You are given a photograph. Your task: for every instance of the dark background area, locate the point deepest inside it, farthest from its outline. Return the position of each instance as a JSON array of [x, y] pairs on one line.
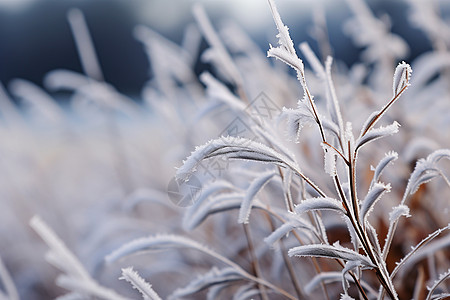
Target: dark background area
[[36, 38]]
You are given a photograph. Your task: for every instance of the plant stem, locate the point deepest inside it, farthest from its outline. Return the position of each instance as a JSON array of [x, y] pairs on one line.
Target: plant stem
[[287, 263], [315, 264], [314, 109], [375, 120], [254, 262], [352, 179], [338, 152], [353, 215]]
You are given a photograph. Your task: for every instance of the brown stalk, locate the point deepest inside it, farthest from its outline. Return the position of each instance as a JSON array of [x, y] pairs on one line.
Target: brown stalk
[[338, 152], [372, 123], [254, 262]]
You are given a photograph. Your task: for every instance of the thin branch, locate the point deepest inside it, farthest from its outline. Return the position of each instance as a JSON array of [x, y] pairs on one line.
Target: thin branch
[[254, 262], [380, 114], [338, 152], [287, 262]]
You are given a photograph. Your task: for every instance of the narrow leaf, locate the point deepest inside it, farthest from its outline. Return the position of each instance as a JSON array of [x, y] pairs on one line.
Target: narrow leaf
[[402, 76], [319, 204], [375, 193], [425, 170], [213, 277], [139, 284], [330, 277], [442, 277], [401, 82], [296, 120], [283, 230], [334, 109], [349, 266], [328, 251], [207, 191], [312, 59], [256, 185], [283, 31], [384, 162], [330, 160], [397, 212], [288, 58], [377, 133], [414, 250], [246, 292], [239, 148], [166, 241], [373, 237]]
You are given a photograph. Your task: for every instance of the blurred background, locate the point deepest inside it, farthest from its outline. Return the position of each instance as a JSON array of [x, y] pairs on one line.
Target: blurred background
[[35, 36]]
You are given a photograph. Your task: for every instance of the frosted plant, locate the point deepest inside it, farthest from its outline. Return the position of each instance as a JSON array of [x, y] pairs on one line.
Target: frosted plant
[[310, 205], [341, 151]]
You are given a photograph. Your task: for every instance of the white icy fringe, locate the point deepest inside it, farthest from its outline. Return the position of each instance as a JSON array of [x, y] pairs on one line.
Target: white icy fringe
[[296, 120], [382, 164], [399, 211], [286, 50], [427, 169], [283, 31], [349, 266], [319, 204], [239, 148], [303, 116], [335, 251], [375, 193], [231, 147], [377, 133], [330, 160], [420, 245], [442, 277], [405, 75], [394, 216], [164, 241], [402, 77], [139, 284]]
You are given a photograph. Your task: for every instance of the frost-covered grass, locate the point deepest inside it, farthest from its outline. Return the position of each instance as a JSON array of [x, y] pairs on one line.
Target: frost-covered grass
[[330, 184]]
